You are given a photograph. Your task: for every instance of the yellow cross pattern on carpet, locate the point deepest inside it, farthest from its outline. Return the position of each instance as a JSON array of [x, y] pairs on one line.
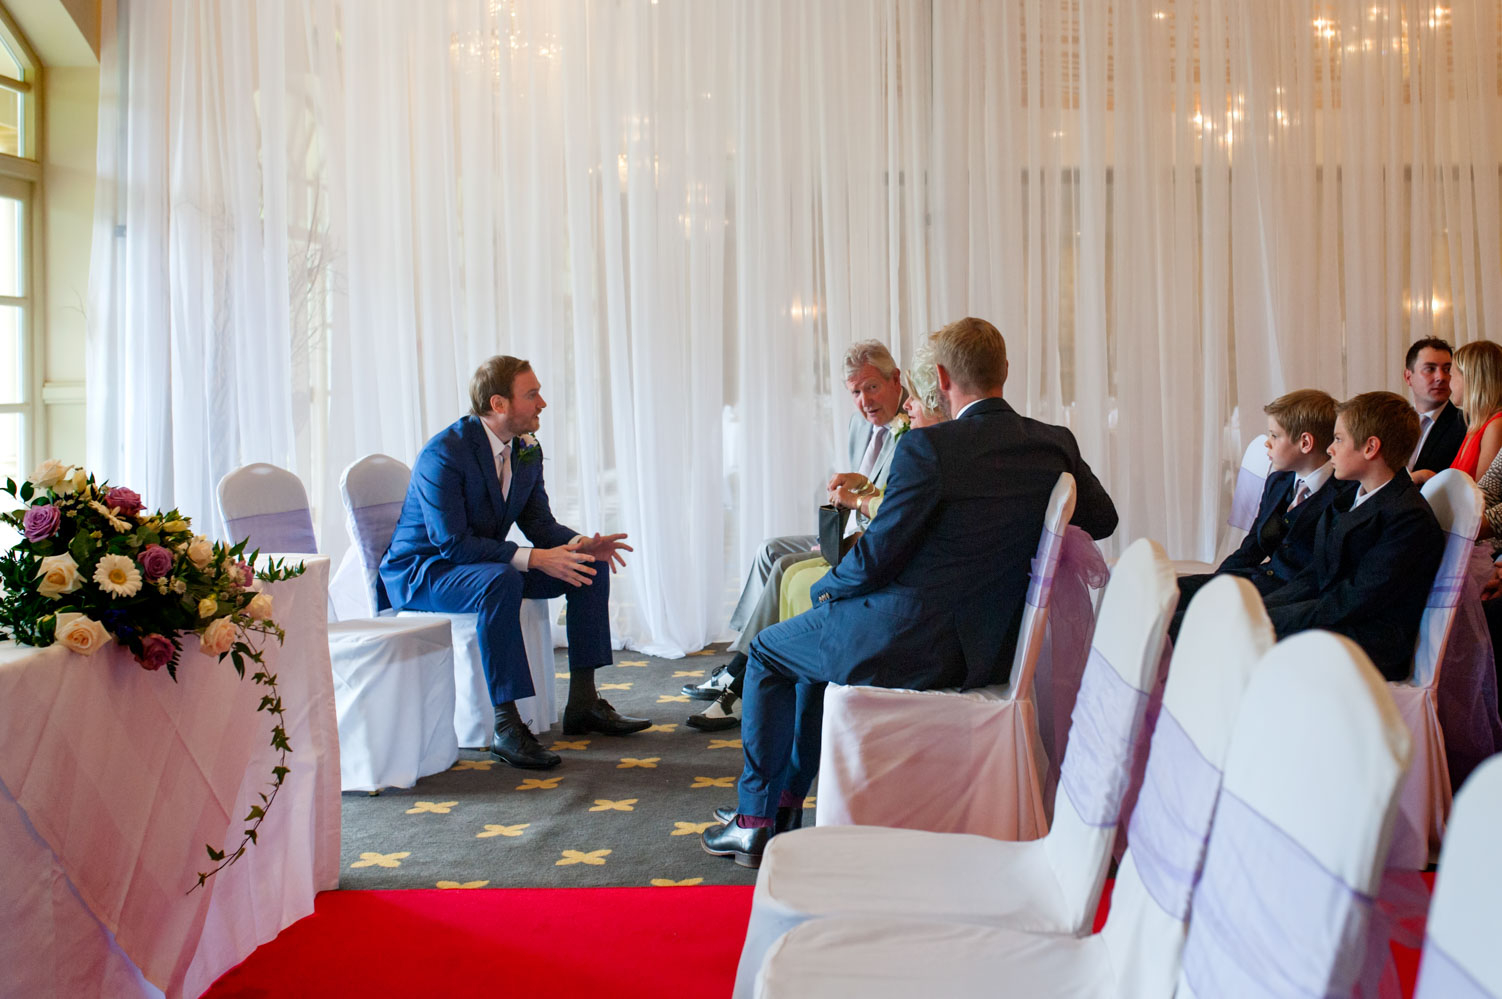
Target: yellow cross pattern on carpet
[[670, 883], [673, 727], [632, 662], [645, 762], [560, 676], [473, 765], [690, 828], [495, 830], [616, 686], [712, 782], [672, 698], [570, 744], [462, 884], [538, 783], [725, 744], [435, 807], [687, 672], [606, 805], [381, 859], [594, 858], [809, 801], [703, 652]]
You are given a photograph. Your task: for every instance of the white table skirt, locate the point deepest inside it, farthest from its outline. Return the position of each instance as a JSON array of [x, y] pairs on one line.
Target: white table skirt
[[113, 779]]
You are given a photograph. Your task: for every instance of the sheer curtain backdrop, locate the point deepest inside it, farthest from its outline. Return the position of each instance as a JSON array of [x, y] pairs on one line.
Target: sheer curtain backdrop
[[315, 217]]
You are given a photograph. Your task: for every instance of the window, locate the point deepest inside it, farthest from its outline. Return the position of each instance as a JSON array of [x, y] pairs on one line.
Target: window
[[19, 176]]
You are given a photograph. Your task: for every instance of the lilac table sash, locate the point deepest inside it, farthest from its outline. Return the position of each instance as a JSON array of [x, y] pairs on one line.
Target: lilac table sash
[[1269, 919], [1171, 822], [373, 526], [1246, 499], [1104, 725], [288, 531], [1440, 977], [1451, 577], [1045, 564]]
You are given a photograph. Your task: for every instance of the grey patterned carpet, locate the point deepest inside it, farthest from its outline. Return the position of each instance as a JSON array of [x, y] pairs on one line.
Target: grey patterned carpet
[[617, 811]]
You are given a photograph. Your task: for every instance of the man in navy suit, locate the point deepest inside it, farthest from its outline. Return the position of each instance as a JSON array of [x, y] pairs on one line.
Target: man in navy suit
[[931, 595], [1426, 372], [449, 553]]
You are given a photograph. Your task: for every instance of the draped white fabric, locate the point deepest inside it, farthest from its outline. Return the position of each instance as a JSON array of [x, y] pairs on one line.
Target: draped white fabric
[[315, 217]]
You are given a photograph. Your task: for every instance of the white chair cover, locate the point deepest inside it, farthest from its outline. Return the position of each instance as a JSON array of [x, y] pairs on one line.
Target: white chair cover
[[1245, 498], [373, 490], [393, 680], [1461, 957], [1424, 801], [1050, 885], [944, 760]]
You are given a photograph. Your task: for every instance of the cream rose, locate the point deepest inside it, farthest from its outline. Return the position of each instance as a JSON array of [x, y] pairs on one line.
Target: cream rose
[[59, 575], [79, 633], [217, 637], [49, 473], [200, 552], [259, 607], [207, 606]]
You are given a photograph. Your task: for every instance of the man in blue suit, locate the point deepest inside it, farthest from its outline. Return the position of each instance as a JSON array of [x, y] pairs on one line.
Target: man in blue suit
[[931, 595], [449, 553]]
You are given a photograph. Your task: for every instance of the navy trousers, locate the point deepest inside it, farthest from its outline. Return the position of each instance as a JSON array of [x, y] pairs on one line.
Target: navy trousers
[[494, 591], [782, 713]]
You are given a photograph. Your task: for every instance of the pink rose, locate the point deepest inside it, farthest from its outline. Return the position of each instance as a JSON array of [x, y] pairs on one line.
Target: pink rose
[[126, 501], [155, 561], [41, 522], [156, 652]]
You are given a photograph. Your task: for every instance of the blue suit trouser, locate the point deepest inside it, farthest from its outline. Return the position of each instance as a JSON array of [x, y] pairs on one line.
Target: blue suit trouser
[[494, 591], [782, 713]]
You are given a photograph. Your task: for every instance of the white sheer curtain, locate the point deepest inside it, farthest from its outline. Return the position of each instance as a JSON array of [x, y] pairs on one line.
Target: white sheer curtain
[[315, 218]]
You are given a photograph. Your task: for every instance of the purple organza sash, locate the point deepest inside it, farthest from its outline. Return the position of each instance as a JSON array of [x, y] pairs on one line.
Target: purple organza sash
[[373, 526], [1246, 499], [1045, 564], [1269, 919], [1451, 577], [1440, 977], [289, 531], [1104, 726], [1171, 822], [1066, 646]]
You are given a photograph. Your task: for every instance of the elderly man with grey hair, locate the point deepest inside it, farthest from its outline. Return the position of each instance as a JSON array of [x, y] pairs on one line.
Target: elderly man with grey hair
[[875, 387]]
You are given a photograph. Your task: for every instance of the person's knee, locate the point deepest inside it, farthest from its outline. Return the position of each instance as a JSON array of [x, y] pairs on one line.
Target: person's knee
[[502, 589]]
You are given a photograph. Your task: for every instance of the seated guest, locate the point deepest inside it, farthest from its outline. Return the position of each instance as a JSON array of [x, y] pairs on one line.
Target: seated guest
[[932, 593], [1299, 489], [1477, 379], [1376, 550], [1426, 372]]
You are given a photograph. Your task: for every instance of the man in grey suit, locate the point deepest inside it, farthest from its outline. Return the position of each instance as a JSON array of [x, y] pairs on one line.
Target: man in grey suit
[[875, 387]]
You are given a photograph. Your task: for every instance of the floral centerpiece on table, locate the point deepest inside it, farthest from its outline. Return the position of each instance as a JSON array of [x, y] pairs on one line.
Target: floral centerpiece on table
[[93, 566]]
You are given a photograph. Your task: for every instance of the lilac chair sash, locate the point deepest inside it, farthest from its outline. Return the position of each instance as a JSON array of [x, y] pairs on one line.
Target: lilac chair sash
[[1269, 919], [1440, 977], [1045, 564], [1171, 821], [288, 531], [1104, 726], [1246, 499], [373, 526], [1451, 577]]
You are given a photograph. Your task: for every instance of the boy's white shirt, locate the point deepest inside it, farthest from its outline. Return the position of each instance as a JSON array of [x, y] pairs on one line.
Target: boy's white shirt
[[1362, 497]]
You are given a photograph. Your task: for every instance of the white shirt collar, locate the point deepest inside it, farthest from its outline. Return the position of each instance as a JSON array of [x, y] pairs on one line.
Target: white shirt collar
[[1432, 414], [1316, 479], [967, 405], [1362, 497], [496, 444]]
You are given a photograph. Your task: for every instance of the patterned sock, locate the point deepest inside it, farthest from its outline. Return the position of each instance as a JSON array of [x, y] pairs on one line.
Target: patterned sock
[[789, 800]]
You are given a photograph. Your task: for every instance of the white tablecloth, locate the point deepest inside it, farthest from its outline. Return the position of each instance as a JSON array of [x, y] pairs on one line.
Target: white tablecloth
[[113, 779]]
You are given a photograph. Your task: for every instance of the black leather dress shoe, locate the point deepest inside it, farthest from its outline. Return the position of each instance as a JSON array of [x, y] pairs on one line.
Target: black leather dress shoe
[[516, 746], [787, 819], [710, 689], [730, 840], [601, 717]]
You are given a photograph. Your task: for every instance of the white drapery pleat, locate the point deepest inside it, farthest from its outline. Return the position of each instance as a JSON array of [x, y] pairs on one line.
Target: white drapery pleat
[[315, 218]]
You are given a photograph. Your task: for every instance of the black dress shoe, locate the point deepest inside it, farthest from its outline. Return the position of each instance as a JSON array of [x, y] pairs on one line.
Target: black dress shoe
[[601, 717], [710, 689], [746, 845], [515, 745], [787, 819], [722, 714]]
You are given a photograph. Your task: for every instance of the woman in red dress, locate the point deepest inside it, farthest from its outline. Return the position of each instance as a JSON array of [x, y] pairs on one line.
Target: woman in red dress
[[1477, 380]]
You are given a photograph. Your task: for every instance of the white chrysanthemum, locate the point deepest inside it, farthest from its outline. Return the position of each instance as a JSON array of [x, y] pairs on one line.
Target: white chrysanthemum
[[109, 515], [118, 576]]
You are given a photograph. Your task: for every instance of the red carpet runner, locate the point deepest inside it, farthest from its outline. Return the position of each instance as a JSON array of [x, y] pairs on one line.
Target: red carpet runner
[[555, 942]]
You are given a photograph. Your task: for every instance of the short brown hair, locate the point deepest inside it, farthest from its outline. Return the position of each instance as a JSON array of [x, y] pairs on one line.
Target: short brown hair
[[495, 377], [1387, 417], [1305, 411], [973, 352]]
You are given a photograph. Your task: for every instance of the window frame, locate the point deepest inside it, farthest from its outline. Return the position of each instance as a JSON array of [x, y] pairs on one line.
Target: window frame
[[21, 178]]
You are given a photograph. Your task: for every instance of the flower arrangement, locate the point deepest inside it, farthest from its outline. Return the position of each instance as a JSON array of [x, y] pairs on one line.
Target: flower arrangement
[[530, 450], [93, 566]]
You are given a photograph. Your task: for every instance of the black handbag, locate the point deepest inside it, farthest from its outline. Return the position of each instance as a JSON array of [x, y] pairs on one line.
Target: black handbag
[[832, 541]]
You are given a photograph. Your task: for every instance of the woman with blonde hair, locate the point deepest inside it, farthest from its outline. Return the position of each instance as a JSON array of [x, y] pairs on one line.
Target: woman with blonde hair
[[1476, 379]]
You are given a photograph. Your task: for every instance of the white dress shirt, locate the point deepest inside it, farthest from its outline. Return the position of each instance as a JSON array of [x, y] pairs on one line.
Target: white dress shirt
[[1314, 481], [1362, 496], [523, 557], [1426, 424]]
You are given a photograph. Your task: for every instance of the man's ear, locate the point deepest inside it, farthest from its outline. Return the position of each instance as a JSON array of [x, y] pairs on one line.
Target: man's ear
[[499, 404], [945, 382]]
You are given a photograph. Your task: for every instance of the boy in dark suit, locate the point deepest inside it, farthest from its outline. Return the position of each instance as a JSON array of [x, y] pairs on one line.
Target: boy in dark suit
[[1376, 550], [1299, 488]]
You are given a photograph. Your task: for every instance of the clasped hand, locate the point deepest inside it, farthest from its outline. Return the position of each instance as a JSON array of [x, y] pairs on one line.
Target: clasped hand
[[572, 562], [846, 488]]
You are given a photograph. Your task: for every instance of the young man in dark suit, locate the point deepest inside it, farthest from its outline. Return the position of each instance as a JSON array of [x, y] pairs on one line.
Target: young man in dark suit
[[1442, 427], [449, 553], [1376, 550], [931, 595], [1300, 487]]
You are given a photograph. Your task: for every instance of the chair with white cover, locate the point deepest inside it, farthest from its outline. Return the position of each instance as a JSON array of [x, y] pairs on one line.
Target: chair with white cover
[[945, 760], [1047, 885], [393, 680], [1424, 802], [1280, 906], [1251, 477], [374, 489], [1461, 957]]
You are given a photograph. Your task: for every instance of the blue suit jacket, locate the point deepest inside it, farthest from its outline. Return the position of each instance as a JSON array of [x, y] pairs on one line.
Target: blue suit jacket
[[454, 511], [1280, 544], [932, 593]]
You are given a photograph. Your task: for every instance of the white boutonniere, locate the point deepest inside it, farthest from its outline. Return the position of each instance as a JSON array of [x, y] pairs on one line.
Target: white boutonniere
[[900, 425], [530, 450]]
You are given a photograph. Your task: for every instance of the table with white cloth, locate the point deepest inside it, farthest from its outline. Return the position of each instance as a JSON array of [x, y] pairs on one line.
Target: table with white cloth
[[112, 781]]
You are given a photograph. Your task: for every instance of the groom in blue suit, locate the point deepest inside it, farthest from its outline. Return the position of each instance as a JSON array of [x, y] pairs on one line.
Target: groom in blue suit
[[931, 595], [449, 553]]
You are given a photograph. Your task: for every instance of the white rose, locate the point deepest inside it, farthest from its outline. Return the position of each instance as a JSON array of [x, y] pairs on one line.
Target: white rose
[[259, 607], [217, 637], [80, 634], [59, 575], [200, 552], [49, 473]]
